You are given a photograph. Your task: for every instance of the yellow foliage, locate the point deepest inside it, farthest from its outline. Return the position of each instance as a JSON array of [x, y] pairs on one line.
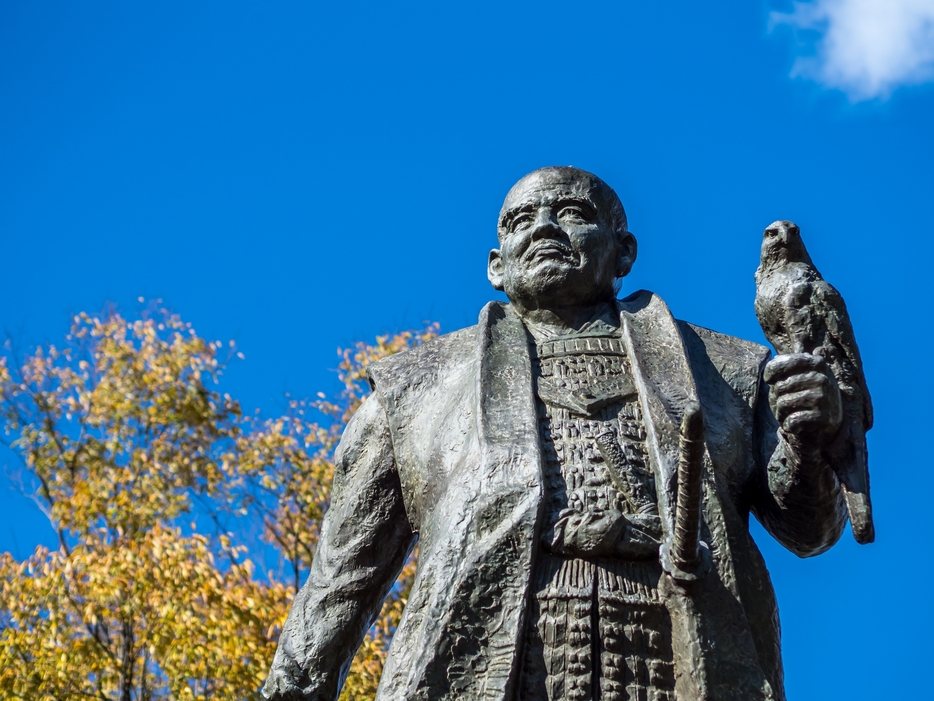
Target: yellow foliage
[[126, 445]]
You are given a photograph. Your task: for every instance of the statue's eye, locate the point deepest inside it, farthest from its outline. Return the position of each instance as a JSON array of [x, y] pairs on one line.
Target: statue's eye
[[574, 214], [520, 222]]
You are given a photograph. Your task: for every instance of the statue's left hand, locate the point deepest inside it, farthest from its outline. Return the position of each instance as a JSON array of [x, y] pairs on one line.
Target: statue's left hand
[[596, 532], [804, 397]]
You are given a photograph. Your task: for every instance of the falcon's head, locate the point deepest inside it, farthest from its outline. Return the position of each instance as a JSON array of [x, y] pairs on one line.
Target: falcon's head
[[781, 243]]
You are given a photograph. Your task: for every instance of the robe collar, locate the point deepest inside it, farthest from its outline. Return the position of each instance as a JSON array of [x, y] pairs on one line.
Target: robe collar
[[661, 371]]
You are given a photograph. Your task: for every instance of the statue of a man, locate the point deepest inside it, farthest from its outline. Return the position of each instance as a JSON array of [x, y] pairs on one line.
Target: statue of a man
[[536, 457]]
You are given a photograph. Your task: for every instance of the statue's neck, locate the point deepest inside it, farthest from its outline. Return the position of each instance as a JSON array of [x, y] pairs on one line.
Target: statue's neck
[[561, 321]]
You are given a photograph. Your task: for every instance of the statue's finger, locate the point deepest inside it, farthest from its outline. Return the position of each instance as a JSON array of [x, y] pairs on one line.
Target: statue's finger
[[782, 366], [801, 382], [800, 421], [809, 400]]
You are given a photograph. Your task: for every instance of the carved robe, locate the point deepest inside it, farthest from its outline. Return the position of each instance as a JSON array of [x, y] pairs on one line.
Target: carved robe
[[448, 450]]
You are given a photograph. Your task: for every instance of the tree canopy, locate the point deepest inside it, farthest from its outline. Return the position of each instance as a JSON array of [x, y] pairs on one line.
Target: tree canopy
[[164, 493]]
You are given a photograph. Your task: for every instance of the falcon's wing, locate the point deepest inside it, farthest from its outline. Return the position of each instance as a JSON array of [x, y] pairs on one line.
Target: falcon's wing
[[831, 307]]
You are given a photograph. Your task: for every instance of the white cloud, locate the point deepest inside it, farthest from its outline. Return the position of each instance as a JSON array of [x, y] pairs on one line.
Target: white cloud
[[866, 48]]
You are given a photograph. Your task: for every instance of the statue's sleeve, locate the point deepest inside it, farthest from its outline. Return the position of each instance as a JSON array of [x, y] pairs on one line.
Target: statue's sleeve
[[365, 539], [795, 493]]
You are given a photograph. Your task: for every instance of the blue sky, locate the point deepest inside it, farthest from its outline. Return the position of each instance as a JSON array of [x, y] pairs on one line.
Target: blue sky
[[298, 176]]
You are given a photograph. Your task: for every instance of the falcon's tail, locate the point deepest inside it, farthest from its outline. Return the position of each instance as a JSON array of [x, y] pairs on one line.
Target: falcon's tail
[[852, 468]]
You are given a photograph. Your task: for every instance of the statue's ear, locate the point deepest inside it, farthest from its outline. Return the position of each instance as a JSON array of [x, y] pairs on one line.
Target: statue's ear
[[627, 254], [495, 269]]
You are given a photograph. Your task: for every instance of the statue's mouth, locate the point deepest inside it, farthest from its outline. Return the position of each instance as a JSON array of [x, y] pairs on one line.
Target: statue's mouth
[[550, 249]]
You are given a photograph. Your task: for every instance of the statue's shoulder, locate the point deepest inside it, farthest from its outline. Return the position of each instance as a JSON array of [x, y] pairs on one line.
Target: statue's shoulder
[[736, 360], [415, 366], [737, 352], [732, 348]]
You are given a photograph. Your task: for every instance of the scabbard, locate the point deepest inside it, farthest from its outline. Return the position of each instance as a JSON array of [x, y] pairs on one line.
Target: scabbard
[[685, 545]]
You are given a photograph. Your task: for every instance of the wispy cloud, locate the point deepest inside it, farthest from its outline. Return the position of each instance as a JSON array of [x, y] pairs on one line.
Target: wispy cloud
[[866, 48]]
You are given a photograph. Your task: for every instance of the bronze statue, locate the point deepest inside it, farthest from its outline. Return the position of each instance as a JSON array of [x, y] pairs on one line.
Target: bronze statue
[[579, 472]]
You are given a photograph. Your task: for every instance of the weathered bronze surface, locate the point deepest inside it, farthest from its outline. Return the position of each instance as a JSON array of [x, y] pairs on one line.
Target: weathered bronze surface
[[579, 472]]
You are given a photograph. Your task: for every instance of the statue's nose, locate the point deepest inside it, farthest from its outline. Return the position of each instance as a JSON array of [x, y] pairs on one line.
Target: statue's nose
[[545, 225]]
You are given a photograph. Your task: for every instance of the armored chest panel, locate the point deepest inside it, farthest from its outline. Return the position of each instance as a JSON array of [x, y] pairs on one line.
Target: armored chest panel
[[587, 408], [597, 626]]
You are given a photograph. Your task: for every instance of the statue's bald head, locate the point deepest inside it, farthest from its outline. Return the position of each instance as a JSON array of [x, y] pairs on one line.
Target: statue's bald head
[[575, 182], [563, 241]]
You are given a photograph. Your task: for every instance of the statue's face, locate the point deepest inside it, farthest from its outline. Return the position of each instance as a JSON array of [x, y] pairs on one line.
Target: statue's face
[[557, 246]]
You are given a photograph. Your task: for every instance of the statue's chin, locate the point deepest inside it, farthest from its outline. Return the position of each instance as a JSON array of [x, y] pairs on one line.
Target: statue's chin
[[553, 288], [533, 290]]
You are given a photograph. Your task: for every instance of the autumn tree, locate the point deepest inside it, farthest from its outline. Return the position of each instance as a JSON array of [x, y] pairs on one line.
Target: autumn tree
[[151, 477]]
